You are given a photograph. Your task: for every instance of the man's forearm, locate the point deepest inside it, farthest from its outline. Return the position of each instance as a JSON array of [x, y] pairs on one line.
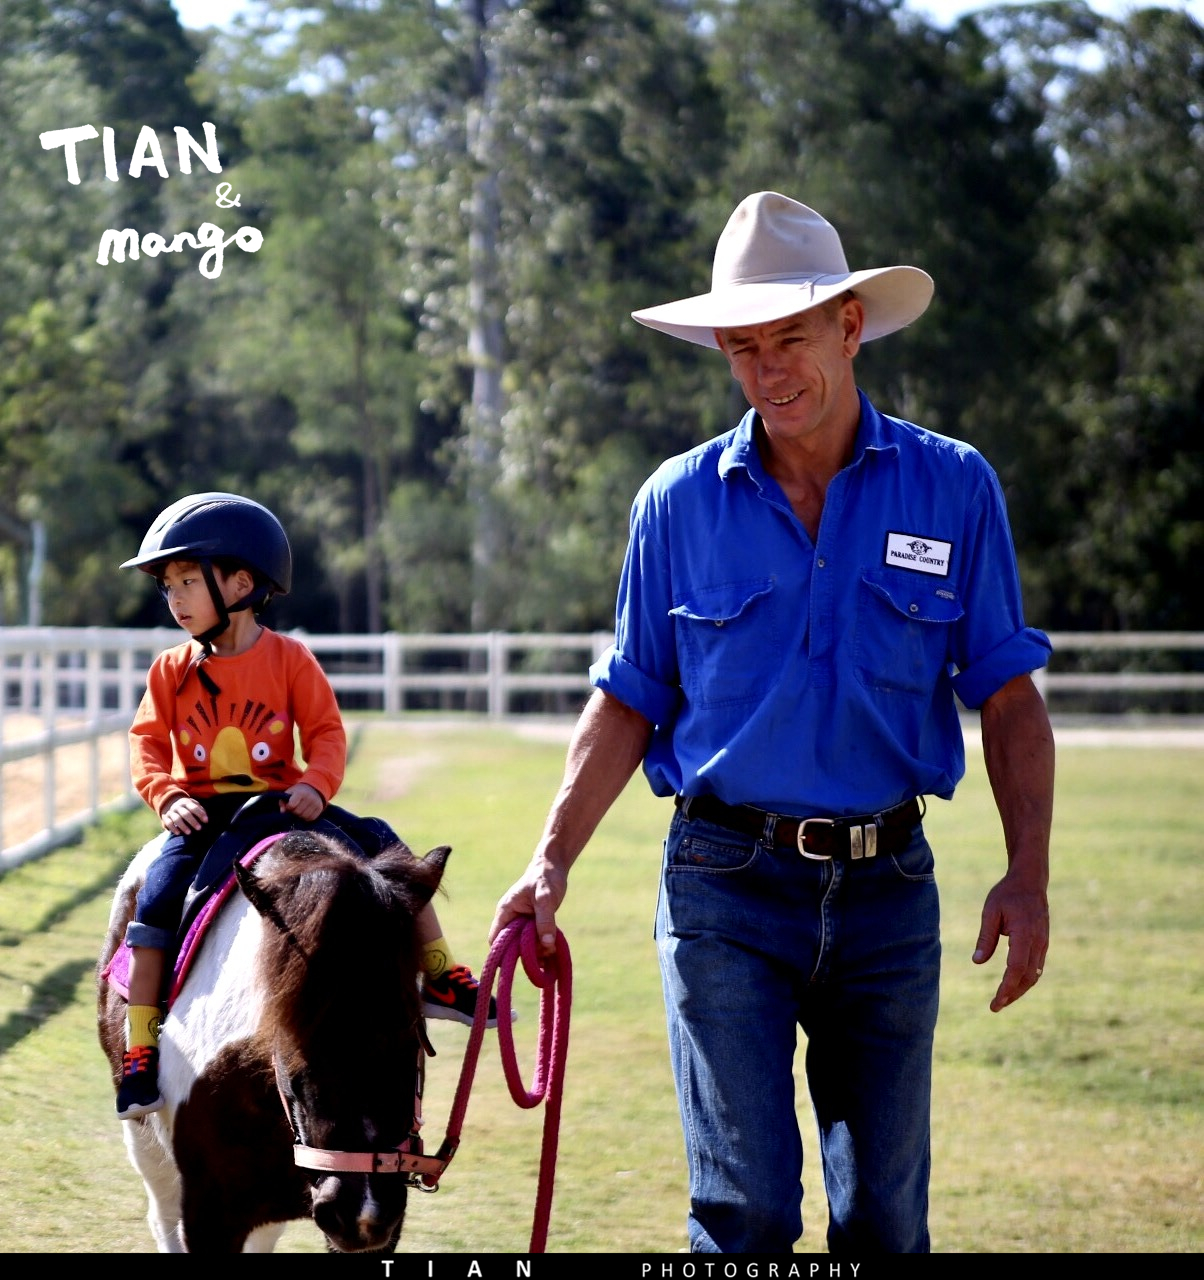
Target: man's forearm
[[606, 749], [1018, 747]]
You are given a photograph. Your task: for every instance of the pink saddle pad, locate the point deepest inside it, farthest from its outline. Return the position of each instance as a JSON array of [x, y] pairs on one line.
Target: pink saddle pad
[[117, 971]]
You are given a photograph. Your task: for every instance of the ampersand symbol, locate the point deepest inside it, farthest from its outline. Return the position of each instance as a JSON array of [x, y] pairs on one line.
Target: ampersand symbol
[[223, 192]]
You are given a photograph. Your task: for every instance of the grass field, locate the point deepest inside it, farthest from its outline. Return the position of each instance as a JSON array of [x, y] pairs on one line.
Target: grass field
[[1070, 1123]]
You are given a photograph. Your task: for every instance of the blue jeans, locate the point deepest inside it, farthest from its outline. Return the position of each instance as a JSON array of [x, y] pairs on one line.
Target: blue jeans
[[755, 942], [160, 902]]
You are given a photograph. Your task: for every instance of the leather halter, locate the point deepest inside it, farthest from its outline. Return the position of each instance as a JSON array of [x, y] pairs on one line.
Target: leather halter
[[421, 1171], [555, 980]]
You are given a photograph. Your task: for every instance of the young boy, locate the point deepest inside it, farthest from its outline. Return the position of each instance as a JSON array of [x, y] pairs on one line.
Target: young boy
[[218, 722]]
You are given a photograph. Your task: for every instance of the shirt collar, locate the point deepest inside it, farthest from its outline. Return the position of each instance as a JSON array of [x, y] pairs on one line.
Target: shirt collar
[[741, 450], [872, 433]]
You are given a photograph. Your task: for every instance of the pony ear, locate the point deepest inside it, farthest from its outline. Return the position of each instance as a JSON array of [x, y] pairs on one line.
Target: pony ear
[[433, 864], [253, 891], [260, 897], [434, 861], [419, 876]]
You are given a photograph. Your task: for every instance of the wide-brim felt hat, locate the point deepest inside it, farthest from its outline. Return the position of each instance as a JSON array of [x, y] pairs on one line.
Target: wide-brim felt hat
[[777, 257]]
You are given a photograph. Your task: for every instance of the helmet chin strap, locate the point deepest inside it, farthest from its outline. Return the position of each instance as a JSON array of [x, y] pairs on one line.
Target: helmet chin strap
[[254, 599]]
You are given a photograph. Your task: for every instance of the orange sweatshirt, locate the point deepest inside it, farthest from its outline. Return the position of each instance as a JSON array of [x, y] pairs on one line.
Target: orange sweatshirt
[[244, 739]]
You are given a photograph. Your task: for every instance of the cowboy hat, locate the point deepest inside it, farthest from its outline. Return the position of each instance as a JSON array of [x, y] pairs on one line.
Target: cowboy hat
[[777, 257]]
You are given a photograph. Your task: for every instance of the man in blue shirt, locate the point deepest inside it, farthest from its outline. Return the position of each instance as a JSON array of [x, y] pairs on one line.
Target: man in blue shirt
[[800, 602]]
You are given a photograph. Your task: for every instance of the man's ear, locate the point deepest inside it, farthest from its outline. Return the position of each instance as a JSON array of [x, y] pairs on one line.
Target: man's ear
[[723, 348], [852, 321]]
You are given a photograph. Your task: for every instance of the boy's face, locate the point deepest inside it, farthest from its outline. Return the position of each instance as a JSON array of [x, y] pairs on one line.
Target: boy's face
[[188, 596]]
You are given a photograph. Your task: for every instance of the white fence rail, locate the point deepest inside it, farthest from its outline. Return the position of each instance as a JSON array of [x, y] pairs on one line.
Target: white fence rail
[[64, 688]]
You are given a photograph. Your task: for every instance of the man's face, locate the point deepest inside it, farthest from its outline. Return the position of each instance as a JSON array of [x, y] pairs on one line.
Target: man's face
[[797, 373]]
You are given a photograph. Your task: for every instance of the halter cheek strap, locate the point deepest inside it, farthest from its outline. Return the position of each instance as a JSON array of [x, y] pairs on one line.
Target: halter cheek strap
[[422, 1171]]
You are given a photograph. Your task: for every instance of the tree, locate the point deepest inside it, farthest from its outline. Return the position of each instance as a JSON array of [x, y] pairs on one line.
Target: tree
[[1126, 368], [540, 163], [61, 409], [915, 143]]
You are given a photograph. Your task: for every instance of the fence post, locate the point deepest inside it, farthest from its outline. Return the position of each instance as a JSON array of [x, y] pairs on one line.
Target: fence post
[[93, 710], [49, 697], [495, 658], [391, 666]]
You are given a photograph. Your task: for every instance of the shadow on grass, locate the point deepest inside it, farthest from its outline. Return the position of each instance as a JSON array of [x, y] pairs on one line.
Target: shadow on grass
[[54, 993], [104, 883]]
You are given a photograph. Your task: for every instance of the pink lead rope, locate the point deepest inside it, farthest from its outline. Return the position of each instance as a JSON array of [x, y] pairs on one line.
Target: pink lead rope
[[554, 978]]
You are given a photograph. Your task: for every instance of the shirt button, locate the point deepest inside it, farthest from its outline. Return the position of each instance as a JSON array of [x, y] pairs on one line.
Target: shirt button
[[821, 563], [913, 608]]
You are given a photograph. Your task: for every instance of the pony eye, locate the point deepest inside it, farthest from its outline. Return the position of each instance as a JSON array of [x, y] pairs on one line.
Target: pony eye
[[199, 754], [260, 752]]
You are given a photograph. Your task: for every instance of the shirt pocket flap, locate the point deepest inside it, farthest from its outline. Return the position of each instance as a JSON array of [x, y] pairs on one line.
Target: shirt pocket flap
[[724, 603], [914, 598]]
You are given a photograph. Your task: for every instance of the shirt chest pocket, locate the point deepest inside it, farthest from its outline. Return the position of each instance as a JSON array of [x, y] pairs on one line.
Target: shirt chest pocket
[[903, 630], [728, 642]]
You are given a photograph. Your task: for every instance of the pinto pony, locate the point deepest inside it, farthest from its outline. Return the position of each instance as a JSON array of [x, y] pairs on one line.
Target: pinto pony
[[299, 1024]]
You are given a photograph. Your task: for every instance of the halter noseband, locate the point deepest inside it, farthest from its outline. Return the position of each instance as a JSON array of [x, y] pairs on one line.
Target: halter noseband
[[421, 1171]]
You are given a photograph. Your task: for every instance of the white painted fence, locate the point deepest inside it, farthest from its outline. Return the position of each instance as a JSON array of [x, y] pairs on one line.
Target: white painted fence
[[64, 687]]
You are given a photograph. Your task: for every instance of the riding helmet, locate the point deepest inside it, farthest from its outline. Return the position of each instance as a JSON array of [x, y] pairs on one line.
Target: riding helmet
[[213, 526]]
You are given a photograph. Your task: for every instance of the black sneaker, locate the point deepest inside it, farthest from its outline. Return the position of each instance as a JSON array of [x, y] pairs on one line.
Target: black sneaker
[[138, 1093], [453, 995]]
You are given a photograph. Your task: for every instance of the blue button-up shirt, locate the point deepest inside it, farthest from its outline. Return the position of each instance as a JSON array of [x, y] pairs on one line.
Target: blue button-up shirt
[[817, 678]]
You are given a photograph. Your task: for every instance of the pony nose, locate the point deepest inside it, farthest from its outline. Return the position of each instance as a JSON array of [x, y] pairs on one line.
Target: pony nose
[[351, 1217]]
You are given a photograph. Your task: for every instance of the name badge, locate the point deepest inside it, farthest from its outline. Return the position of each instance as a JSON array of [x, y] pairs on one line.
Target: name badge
[[923, 555]]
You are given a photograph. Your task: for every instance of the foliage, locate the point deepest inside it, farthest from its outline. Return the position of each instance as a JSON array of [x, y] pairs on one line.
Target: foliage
[[429, 367], [1128, 379]]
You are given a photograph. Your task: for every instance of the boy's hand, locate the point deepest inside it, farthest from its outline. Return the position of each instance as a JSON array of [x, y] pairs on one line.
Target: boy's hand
[[183, 816], [304, 801]]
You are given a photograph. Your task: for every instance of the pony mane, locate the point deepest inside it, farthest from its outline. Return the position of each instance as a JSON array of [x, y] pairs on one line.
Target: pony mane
[[341, 959]]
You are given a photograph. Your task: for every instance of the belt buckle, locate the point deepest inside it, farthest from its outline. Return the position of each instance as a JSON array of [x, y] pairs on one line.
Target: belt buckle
[[863, 841], [802, 832]]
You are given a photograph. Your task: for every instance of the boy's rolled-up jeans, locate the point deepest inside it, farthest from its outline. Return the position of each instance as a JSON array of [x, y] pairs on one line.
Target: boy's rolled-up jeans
[[755, 942]]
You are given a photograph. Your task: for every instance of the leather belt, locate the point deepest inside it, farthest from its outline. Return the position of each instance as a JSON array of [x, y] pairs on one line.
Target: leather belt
[[849, 839]]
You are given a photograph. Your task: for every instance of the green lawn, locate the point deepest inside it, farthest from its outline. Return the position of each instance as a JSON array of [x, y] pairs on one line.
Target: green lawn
[[1069, 1123]]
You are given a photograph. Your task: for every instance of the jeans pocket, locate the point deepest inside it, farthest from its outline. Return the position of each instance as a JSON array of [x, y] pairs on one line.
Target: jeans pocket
[[696, 846], [915, 863]]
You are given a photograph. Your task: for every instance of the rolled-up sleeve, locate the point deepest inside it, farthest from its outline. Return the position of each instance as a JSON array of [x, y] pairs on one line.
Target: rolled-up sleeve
[[655, 701], [993, 644], [1019, 654], [640, 668]]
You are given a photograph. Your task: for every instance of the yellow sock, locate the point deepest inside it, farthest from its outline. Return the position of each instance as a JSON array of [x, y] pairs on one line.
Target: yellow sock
[[142, 1025], [437, 957]]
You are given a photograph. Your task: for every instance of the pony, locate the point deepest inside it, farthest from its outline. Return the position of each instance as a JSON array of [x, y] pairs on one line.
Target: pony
[[298, 1028]]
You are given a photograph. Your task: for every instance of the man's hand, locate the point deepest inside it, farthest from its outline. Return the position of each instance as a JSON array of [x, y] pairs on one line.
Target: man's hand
[[1022, 914], [303, 801], [183, 815], [1018, 746], [538, 894]]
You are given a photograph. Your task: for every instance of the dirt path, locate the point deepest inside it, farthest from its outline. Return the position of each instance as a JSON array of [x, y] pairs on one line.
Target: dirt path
[[22, 782]]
